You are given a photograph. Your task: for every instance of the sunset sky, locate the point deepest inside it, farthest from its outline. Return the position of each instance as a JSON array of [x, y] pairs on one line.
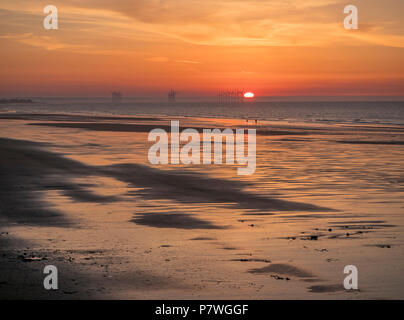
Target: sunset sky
[[145, 47]]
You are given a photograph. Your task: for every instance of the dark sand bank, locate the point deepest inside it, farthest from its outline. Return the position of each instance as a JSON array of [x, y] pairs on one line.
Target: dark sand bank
[[125, 127], [70, 117], [284, 269], [197, 188], [134, 124], [82, 274], [26, 169], [173, 220], [273, 130]]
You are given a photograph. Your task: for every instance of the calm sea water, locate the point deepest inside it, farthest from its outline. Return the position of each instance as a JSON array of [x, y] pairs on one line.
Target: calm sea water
[[317, 112]]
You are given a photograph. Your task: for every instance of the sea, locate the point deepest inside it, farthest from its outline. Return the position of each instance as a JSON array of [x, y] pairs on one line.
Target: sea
[[326, 112]]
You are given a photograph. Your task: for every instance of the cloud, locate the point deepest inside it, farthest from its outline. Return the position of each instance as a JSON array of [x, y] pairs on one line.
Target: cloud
[[16, 36], [158, 59], [166, 59], [45, 42], [187, 61], [224, 23], [246, 22]]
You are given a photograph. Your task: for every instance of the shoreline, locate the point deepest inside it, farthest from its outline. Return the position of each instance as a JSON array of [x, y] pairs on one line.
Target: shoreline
[[86, 116]]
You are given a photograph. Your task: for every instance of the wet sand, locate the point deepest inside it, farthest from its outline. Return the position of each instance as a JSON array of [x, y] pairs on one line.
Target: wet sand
[[77, 192]]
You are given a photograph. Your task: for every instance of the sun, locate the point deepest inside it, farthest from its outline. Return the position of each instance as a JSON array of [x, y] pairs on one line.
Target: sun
[[249, 95]]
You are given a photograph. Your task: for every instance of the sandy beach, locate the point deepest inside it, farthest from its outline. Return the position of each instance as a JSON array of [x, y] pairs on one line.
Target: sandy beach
[[78, 192]]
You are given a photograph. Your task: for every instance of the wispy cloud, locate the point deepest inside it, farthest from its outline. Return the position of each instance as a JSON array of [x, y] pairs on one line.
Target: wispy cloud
[[166, 59], [247, 22], [224, 23], [41, 41], [158, 59], [187, 61], [271, 45]]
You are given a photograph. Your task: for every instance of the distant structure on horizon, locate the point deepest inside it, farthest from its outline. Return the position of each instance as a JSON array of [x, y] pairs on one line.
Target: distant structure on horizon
[[16, 100], [231, 96], [172, 95], [116, 96]]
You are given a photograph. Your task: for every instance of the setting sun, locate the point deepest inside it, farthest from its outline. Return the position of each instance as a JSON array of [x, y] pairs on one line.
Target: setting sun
[[249, 95]]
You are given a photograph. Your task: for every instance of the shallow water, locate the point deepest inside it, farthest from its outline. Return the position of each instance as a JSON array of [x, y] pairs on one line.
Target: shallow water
[[204, 231]]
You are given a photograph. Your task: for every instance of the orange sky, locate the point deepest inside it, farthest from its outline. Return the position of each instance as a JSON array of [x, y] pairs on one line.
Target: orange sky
[[145, 47]]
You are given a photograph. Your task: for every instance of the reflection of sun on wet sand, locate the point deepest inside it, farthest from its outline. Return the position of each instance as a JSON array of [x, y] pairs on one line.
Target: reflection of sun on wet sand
[[81, 195]]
